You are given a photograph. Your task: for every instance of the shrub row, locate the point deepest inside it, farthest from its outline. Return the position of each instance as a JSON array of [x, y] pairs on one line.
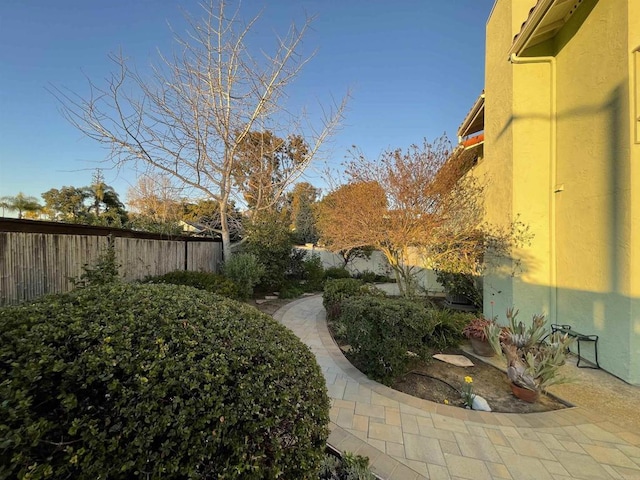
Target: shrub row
[[336, 290], [155, 381], [382, 330], [210, 282]]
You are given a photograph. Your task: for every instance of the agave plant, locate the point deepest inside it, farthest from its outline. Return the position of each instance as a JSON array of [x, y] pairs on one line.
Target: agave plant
[[533, 355]]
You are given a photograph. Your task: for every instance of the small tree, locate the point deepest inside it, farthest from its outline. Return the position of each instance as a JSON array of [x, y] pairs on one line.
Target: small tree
[[415, 201], [302, 200], [269, 239]]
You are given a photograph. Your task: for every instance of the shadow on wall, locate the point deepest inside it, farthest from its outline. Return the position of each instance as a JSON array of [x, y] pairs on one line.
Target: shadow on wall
[[606, 314]]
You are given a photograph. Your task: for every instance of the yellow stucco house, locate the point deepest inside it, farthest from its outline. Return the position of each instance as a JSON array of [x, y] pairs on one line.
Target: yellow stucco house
[[561, 119]]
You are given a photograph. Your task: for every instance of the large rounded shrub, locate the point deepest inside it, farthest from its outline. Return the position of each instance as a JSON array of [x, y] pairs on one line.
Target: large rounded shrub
[[155, 381]]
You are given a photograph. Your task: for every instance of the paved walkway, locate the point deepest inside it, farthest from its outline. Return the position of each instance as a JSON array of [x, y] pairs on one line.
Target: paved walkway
[[410, 438]]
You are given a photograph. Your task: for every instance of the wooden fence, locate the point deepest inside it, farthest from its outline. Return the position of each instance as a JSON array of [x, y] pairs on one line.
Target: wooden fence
[[37, 258]]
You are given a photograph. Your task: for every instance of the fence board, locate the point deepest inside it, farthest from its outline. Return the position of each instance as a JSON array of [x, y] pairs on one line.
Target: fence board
[[34, 264]]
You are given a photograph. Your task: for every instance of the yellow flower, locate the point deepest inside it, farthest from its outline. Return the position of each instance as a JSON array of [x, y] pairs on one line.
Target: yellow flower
[[468, 380], [446, 402]]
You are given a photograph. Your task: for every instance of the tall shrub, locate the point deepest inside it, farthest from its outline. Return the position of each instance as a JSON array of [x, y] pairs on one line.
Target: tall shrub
[[155, 381], [270, 240], [245, 270]]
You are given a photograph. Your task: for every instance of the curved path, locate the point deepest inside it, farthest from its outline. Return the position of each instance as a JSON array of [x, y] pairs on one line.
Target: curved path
[[410, 438]]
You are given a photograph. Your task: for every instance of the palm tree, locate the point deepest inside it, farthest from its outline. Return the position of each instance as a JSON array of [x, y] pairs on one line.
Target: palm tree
[[20, 203]]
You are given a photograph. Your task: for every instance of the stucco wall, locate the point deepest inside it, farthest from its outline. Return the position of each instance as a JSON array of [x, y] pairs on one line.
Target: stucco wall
[[575, 182], [592, 210], [496, 168], [378, 264], [633, 46]]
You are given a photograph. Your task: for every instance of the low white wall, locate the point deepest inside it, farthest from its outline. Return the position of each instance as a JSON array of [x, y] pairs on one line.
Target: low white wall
[[377, 264]]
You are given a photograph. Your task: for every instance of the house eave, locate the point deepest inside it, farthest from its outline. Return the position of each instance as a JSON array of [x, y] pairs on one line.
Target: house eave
[[474, 121], [545, 19]]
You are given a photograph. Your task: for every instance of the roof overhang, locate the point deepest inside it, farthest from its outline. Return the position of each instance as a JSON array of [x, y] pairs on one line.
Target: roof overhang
[[474, 121], [545, 19]]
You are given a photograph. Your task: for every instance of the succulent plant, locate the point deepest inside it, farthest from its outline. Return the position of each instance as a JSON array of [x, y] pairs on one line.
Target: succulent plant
[[533, 355]]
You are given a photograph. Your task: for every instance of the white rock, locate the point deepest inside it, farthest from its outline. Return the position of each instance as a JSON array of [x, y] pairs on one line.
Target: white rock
[[480, 404], [459, 360]]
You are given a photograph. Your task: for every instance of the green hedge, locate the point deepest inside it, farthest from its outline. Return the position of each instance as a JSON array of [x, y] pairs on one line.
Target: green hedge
[[382, 330], [155, 381], [211, 282], [337, 290], [337, 272]]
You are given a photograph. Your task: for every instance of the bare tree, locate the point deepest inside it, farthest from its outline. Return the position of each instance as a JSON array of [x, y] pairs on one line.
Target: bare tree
[[190, 116], [156, 198]]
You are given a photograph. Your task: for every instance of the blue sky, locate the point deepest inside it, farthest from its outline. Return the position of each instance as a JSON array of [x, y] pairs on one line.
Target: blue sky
[[414, 67]]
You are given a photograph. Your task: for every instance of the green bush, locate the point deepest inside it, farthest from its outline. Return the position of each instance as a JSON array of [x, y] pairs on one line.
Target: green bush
[[295, 266], [447, 327], [290, 290], [382, 330], [367, 276], [105, 270], [313, 273], [337, 272], [155, 381], [269, 239], [336, 290], [211, 282], [245, 270], [349, 467]]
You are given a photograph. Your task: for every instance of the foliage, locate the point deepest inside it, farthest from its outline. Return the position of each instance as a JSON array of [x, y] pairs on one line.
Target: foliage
[[269, 239], [337, 272], [211, 282], [245, 270], [96, 204], [477, 328], [156, 381], [67, 204], [417, 207], [367, 276], [302, 200], [348, 467], [335, 291], [381, 332], [290, 290], [143, 223], [447, 327], [105, 207], [21, 203], [295, 267], [461, 284], [197, 112], [263, 161], [531, 362], [104, 272], [314, 273]]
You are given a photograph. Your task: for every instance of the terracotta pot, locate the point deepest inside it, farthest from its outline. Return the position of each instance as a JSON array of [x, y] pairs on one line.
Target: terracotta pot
[[482, 347], [525, 394]]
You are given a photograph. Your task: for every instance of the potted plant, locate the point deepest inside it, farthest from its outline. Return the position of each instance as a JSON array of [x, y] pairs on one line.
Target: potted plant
[[475, 331], [533, 354]]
